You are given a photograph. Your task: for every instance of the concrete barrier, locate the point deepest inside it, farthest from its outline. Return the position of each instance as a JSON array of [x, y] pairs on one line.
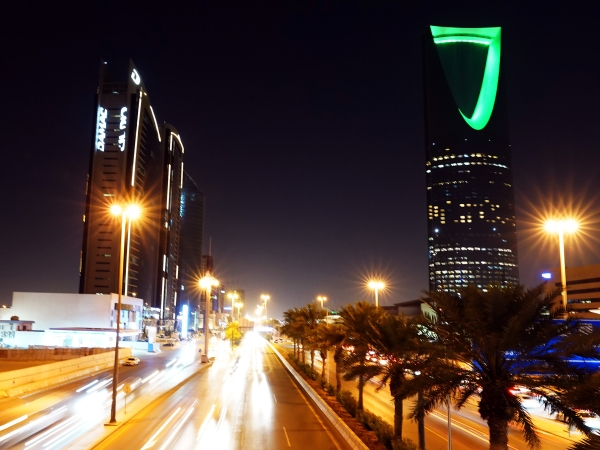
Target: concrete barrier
[[17, 382], [40, 353], [351, 438]]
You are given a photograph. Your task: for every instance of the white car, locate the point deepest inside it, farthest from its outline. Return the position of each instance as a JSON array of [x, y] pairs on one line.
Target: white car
[[130, 361], [590, 419], [528, 401]]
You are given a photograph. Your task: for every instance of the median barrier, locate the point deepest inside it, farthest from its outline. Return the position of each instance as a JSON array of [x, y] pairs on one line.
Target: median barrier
[[20, 381]]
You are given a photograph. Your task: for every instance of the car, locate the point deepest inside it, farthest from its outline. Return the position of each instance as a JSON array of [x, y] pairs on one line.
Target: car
[[169, 344], [528, 401], [130, 361], [590, 419]]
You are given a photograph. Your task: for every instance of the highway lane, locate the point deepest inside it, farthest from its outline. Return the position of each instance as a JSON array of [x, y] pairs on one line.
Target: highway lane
[[469, 431], [249, 402], [75, 408]]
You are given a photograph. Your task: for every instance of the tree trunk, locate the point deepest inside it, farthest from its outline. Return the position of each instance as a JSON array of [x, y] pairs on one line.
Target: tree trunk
[[398, 406], [295, 348], [303, 351], [498, 433], [324, 361], [398, 416], [337, 358], [361, 386], [421, 421], [312, 360]]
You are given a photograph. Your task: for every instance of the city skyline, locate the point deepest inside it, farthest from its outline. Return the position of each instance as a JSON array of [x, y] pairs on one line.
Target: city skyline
[[303, 127]]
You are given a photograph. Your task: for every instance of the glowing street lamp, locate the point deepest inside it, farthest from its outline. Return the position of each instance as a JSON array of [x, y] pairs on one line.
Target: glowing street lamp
[[265, 298], [239, 305], [207, 282], [561, 227], [130, 212], [321, 299], [376, 285], [233, 296]]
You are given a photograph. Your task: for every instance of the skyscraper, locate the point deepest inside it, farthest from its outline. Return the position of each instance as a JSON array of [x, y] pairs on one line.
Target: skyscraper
[[470, 199], [133, 160], [192, 227]]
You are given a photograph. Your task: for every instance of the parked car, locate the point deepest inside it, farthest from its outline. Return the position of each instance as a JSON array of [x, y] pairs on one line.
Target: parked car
[[169, 344], [130, 361]]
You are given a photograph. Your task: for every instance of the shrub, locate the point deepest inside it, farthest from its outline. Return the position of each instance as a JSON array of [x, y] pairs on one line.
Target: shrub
[[348, 401], [403, 444]]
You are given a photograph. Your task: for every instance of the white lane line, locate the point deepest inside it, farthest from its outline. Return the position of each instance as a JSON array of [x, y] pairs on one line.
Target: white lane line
[[287, 438], [13, 422], [151, 441], [310, 406]]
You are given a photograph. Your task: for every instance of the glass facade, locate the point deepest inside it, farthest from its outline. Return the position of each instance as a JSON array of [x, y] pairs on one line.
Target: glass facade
[[470, 200]]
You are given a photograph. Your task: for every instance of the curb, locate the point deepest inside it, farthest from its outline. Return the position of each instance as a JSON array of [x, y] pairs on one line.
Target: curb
[[351, 438]]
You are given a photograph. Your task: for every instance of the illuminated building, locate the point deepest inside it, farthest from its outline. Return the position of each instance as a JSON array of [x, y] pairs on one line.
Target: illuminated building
[[583, 289], [192, 226], [470, 199], [133, 160]]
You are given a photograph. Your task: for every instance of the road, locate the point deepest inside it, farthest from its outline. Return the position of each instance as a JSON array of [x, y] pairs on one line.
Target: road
[[57, 417], [250, 403], [468, 430]]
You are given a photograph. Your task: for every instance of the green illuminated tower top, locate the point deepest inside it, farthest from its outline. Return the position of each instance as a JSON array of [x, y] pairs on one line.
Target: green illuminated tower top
[[489, 37]]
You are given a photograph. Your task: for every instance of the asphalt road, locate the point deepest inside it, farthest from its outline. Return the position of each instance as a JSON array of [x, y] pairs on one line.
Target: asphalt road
[[248, 401], [55, 418]]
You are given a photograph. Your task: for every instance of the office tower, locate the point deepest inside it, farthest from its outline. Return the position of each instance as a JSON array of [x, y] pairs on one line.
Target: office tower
[[133, 160], [470, 199], [192, 227]]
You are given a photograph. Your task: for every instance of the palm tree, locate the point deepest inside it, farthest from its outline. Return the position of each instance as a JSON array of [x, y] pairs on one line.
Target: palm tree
[[335, 336], [293, 327], [404, 348], [498, 338], [311, 317], [359, 321]]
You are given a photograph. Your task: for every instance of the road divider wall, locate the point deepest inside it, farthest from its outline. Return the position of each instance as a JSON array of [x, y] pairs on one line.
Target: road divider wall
[[20, 381], [351, 438]]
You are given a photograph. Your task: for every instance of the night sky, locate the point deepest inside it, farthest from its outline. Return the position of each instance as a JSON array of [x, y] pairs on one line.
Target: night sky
[[303, 124]]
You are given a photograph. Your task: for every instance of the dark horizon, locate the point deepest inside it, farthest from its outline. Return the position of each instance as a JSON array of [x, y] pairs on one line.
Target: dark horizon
[[302, 124]]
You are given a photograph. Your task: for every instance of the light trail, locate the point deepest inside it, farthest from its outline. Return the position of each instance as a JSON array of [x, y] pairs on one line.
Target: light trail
[[87, 386], [152, 441]]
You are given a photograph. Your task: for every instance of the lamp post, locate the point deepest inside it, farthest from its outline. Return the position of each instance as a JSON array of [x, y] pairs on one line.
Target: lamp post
[[207, 282], [560, 227], [130, 212], [265, 298], [322, 299], [376, 286], [239, 305], [233, 296]]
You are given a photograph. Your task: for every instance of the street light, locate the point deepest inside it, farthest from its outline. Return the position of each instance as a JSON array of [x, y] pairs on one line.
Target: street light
[[265, 298], [376, 286], [207, 282], [233, 296], [130, 212], [239, 305], [321, 299], [561, 227]]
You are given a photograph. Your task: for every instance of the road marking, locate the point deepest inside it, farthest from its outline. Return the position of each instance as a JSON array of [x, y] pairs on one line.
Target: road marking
[[274, 398], [287, 437], [310, 406]]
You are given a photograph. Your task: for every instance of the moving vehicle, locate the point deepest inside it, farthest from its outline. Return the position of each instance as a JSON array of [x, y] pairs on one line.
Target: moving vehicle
[[130, 361]]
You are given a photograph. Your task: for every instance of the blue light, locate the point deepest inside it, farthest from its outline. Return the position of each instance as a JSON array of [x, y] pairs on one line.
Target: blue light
[[547, 276]]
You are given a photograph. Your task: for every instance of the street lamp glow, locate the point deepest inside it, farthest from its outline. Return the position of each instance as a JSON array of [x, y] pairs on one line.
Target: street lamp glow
[[233, 296], [118, 210], [321, 299], [265, 298], [207, 282], [561, 227], [238, 305], [376, 286]]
